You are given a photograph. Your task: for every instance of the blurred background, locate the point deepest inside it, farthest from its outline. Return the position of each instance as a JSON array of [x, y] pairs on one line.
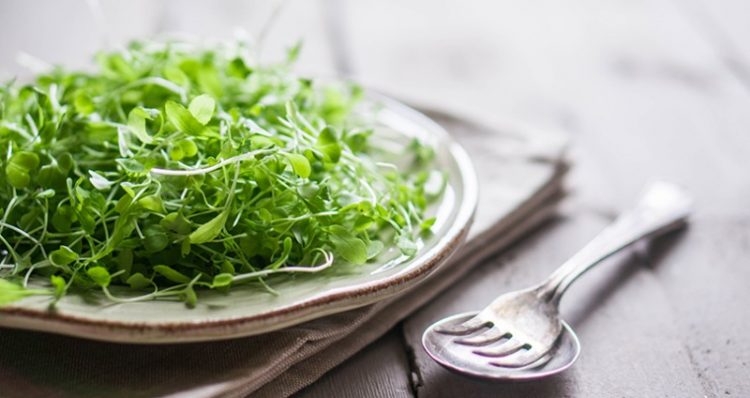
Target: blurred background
[[645, 88]]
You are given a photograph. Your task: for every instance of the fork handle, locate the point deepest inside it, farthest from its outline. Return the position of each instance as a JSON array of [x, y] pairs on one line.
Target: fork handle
[[662, 207]]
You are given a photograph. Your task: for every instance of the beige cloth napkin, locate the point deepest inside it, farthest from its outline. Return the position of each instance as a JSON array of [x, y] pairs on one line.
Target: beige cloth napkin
[[519, 169]]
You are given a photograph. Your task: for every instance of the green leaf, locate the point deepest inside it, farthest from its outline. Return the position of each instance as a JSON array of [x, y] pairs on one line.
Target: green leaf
[[63, 256], [351, 248], [137, 123], [191, 299], [183, 149], [293, 52], [265, 215], [202, 107], [176, 75], [65, 162], [374, 248], [238, 68], [118, 66], [259, 142], [286, 250], [188, 147], [124, 262], [10, 292], [222, 280], [176, 153], [209, 230], [51, 176], [83, 103], [99, 275], [46, 194], [176, 222], [407, 245], [328, 144], [63, 218], [124, 226], [138, 281], [155, 238], [58, 282], [131, 166], [300, 164], [18, 178], [227, 268], [208, 80], [423, 154], [182, 119], [427, 224], [152, 203], [185, 247], [19, 168], [123, 204], [363, 223], [171, 274]]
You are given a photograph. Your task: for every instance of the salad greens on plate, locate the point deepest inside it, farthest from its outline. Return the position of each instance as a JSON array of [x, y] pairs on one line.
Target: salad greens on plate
[[173, 168]]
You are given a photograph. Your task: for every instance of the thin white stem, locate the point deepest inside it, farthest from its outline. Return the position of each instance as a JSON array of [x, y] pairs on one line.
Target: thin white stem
[[251, 275], [206, 170]]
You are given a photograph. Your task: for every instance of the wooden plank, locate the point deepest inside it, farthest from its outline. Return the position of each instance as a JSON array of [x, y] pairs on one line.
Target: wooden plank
[[645, 93], [380, 370], [705, 279]]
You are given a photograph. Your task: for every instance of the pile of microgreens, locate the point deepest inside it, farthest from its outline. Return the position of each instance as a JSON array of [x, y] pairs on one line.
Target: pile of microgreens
[[174, 167]]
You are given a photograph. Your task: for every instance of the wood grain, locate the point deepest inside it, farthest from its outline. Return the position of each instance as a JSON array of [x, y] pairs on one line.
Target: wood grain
[[380, 370], [647, 89], [704, 279]]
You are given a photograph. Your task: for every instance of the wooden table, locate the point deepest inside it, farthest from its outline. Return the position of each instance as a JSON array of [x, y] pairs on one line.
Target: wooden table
[[646, 89], [653, 89]]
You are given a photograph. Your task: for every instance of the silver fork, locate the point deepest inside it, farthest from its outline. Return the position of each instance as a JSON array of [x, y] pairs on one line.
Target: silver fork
[[518, 329]]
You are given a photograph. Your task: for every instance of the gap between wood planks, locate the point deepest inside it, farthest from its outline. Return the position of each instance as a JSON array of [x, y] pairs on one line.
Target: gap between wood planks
[[415, 374]]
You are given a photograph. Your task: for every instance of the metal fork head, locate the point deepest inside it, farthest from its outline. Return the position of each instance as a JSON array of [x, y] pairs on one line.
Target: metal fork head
[[462, 359], [515, 331]]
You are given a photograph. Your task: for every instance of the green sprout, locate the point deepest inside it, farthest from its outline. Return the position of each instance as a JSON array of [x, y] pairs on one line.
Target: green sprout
[[174, 168]]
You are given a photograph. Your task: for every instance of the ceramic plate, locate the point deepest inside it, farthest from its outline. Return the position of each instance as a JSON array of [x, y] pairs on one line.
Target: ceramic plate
[[249, 309]]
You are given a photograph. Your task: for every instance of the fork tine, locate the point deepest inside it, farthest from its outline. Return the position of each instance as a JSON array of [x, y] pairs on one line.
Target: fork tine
[[519, 359], [470, 326], [489, 336], [539, 362], [505, 348]]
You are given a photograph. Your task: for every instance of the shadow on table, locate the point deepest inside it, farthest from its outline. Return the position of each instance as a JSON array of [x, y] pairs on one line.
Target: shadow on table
[[550, 387], [641, 256]]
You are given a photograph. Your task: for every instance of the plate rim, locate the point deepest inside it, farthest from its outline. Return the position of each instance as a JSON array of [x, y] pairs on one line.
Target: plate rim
[[338, 300]]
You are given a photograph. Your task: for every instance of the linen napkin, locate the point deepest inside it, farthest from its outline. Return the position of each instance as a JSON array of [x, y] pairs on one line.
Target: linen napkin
[[520, 171]]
